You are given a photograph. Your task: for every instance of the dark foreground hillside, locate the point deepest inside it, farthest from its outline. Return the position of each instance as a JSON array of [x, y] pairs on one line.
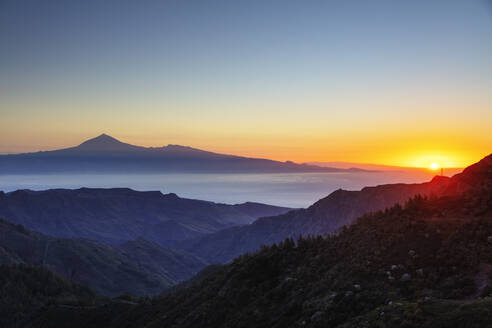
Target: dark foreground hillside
[[428, 264], [25, 289]]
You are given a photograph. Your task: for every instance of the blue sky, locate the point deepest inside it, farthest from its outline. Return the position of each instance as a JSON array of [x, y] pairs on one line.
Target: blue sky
[[269, 78]]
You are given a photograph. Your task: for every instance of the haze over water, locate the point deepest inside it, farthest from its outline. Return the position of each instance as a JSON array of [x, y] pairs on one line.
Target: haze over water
[[292, 190]]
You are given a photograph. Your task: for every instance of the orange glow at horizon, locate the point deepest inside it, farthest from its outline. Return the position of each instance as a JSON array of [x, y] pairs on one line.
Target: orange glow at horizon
[[405, 152], [327, 87]]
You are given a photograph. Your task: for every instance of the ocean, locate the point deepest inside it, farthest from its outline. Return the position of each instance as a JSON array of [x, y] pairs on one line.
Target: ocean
[[286, 189]]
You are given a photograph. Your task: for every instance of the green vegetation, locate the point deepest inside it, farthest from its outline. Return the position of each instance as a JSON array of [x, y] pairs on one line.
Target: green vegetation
[[425, 264], [140, 267], [25, 290], [421, 265]]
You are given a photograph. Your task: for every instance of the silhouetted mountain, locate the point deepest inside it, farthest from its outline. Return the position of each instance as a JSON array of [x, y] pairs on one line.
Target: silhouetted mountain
[[139, 267], [106, 154], [427, 264], [327, 215], [102, 143], [116, 215]]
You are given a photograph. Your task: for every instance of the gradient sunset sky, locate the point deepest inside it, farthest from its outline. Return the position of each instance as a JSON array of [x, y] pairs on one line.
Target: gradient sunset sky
[[390, 82]]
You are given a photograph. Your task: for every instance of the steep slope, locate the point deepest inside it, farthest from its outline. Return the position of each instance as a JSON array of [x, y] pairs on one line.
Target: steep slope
[[25, 290], [168, 264], [107, 154], [421, 265], [102, 143], [139, 267], [327, 215], [116, 215]]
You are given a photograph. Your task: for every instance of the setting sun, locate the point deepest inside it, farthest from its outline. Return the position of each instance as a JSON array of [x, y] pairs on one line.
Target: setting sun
[[434, 166]]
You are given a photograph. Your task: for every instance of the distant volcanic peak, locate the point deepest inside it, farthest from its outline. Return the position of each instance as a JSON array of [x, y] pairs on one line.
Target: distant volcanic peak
[[105, 142], [102, 139]]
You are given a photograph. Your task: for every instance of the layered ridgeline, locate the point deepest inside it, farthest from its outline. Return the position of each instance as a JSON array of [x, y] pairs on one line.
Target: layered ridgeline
[[117, 215], [427, 264], [139, 267], [107, 154], [325, 216]]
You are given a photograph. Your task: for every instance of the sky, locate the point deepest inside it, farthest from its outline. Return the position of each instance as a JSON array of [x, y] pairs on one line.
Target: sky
[[390, 82]]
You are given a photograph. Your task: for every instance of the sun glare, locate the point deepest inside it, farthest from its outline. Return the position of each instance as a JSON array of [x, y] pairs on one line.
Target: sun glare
[[434, 166]]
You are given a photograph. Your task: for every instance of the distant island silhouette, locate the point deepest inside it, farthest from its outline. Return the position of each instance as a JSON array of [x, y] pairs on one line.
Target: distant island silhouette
[[105, 154]]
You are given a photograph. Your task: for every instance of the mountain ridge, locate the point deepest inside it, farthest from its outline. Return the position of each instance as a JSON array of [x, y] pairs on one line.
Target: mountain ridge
[[425, 264], [115, 215], [139, 266], [107, 154], [105, 142], [328, 214]]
